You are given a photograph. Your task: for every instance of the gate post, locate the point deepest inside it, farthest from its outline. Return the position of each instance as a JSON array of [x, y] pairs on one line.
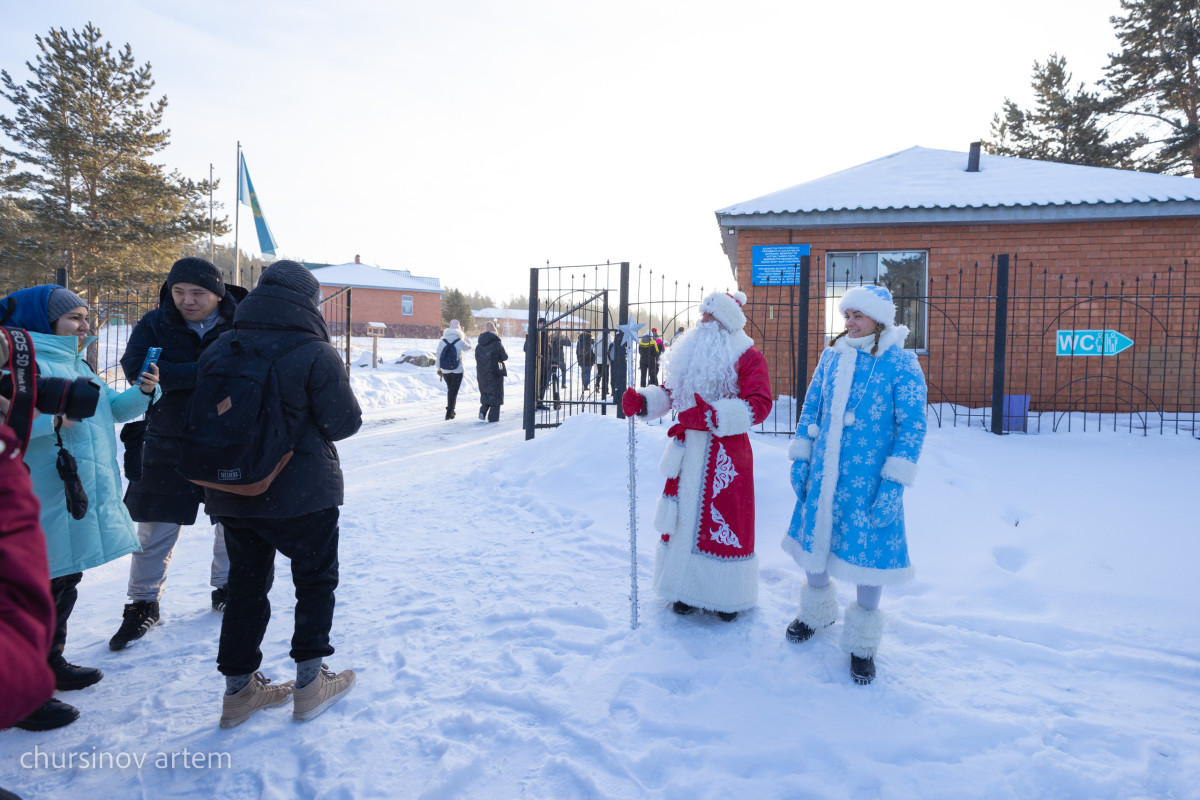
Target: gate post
[[532, 337], [801, 381], [1000, 347], [619, 375]]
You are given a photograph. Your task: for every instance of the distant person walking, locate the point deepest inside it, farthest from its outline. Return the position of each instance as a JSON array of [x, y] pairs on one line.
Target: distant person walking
[[490, 371], [649, 350], [450, 363], [585, 355]]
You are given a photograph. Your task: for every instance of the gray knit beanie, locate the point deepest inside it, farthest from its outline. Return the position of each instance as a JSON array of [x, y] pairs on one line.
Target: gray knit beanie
[[61, 301], [292, 275]]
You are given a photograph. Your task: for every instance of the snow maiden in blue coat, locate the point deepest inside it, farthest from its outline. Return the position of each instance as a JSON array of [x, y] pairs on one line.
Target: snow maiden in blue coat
[[855, 451]]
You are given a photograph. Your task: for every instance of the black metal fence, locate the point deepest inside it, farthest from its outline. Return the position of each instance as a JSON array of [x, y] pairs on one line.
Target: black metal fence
[[1006, 346]]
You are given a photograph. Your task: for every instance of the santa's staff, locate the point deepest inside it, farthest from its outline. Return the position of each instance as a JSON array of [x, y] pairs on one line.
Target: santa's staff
[[630, 331]]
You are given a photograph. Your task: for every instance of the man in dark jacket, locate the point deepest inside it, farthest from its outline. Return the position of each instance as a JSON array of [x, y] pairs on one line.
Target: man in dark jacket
[[195, 307], [297, 514]]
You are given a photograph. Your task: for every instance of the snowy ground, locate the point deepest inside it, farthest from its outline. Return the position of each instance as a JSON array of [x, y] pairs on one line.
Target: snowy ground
[[1049, 648]]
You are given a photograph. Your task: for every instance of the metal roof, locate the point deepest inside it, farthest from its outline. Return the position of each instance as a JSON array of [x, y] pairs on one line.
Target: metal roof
[[367, 277]]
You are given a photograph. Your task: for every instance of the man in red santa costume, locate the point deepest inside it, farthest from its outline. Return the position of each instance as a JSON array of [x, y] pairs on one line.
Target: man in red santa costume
[[718, 385]]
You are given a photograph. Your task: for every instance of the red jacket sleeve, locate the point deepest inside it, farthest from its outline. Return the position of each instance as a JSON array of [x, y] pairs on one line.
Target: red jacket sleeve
[[754, 384], [27, 613]]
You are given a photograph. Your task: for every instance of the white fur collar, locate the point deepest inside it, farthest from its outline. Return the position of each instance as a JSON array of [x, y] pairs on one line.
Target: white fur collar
[[739, 343], [893, 336]]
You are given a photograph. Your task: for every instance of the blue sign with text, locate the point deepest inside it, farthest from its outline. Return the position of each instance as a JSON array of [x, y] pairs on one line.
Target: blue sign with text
[[1091, 343], [777, 264]]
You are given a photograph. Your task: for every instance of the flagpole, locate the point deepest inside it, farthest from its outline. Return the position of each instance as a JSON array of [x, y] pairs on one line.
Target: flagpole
[[237, 204], [211, 254]]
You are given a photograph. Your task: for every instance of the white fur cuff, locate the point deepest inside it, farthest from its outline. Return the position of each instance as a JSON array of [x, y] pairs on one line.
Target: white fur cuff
[[733, 417], [666, 512], [800, 449], [658, 402], [900, 470], [672, 458], [863, 631]]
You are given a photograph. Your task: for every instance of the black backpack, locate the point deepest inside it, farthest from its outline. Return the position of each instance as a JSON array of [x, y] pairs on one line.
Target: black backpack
[[448, 360], [236, 436]]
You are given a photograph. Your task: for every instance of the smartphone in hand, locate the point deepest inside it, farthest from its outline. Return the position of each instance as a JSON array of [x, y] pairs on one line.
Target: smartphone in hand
[[151, 358]]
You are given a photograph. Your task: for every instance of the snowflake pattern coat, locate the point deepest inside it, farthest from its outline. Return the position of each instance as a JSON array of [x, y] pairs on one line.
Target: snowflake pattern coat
[[862, 425]]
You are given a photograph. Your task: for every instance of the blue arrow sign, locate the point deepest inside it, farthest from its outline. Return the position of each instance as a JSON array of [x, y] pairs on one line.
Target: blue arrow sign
[[1091, 343]]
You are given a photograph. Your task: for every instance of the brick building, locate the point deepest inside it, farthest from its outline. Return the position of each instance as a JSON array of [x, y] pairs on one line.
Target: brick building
[[1091, 248], [409, 305]]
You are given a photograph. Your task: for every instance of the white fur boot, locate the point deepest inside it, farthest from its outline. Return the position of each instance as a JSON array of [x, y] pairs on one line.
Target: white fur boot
[[860, 638], [818, 609]]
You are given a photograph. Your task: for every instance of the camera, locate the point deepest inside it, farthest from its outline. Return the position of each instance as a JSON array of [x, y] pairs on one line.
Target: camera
[[27, 391]]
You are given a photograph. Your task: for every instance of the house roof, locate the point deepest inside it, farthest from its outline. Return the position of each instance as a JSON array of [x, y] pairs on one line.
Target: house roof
[[368, 277], [921, 178], [521, 314], [921, 186]]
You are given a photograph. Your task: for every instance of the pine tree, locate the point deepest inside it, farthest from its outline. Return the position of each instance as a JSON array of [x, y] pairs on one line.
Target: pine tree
[[84, 131], [1066, 124], [455, 306], [1156, 77]]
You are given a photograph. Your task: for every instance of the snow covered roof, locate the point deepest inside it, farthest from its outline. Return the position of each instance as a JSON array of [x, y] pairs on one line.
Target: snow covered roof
[[924, 185], [516, 313], [368, 277]]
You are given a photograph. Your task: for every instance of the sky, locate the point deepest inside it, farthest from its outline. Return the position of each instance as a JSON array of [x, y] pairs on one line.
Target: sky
[[474, 140]]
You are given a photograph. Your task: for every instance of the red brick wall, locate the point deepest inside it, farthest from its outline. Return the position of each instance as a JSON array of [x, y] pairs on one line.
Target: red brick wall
[[384, 305], [959, 362]]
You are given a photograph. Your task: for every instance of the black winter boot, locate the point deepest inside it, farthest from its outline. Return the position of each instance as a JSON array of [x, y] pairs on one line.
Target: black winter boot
[[681, 608], [727, 616], [54, 713], [862, 669], [140, 616], [68, 676]]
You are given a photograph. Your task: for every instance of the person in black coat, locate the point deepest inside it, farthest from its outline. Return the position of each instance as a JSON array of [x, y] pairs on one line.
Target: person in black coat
[[490, 370], [195, 307], [298, 513]]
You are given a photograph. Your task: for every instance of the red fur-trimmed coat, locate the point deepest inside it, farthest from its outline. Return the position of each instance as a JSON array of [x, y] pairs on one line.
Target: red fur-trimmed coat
[[705, 557], [27, 614]]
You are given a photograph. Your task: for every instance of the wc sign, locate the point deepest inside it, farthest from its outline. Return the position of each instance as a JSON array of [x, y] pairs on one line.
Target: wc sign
[[1091, 343]]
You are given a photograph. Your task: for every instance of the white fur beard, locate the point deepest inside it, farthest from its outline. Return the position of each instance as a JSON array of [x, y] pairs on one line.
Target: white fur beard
[[701, 362]]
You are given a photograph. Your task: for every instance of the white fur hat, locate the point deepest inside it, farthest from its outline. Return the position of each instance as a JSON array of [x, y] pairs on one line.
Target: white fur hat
[[727, 308], [874, 301]]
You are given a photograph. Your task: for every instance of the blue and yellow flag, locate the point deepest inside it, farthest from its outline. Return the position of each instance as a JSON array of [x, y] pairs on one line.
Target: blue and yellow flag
[[266, 242]]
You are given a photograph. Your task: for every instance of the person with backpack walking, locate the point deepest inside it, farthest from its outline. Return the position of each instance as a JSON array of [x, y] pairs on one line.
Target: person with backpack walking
[[490, 372], [450, 365], [98, 529], [649, 350], [855, 451], [604, 354], [299, 403], [195, 306]]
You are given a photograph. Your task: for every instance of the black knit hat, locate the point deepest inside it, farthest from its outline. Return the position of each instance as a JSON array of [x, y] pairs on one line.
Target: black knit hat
[[197, 271], [292, 275]]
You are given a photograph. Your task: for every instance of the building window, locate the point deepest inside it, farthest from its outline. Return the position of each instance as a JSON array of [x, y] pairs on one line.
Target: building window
[[905, 273], [406, 305]]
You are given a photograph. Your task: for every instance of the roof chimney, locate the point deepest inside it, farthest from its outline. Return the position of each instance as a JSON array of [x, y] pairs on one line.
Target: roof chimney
[[973, 157]]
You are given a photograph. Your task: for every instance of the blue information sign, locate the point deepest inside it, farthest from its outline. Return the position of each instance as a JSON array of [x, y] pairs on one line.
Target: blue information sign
[[777, 264], [1091, 343]]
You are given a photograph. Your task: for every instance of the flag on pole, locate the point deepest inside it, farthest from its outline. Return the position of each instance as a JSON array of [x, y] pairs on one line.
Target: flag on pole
[[266, 242]]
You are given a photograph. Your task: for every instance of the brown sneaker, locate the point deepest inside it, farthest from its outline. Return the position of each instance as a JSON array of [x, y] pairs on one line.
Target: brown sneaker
[[309, 701], [237, 708]]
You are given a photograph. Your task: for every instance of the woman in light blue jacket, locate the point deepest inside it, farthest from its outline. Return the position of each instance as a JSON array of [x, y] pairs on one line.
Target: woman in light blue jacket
[[57, 320], [855, 451]]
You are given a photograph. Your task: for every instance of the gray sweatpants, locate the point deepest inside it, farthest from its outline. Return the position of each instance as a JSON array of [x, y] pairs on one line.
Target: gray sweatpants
[[148, 570]]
